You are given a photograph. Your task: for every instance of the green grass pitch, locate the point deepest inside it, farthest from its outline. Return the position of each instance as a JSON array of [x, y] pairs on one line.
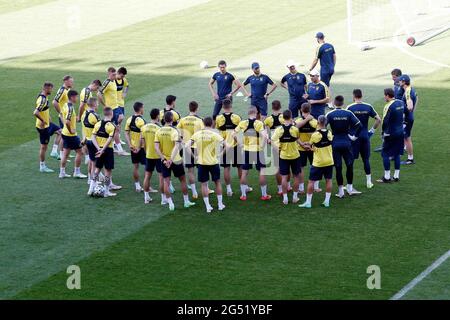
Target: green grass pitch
[[253, 250]]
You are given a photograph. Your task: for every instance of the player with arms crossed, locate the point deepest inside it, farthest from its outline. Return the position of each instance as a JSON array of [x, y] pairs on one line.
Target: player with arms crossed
[[259, 94], [361, 146], [71, 141], [226, 123], [168, 146], [327, 56], [133, 136], [285, 139], [410, 99], [295, 82], [323, 163], [207, 143], [317, 94], [45, 127], [103, 139], [254, 139], [225, 81]]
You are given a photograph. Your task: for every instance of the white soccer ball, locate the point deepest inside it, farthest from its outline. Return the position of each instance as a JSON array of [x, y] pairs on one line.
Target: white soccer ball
[[204, 64], [99, 191]]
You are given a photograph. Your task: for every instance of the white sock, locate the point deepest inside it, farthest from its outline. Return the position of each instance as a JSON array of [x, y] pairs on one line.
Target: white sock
[[92, 185], [387, 174], [285, 197], [86, 157], [369, 178], [229, 188], [349, 187], [76, 170], [42, 164], [396, 174], [163, 197], [410, 157], [55, 148], [280, 188], [137, 185], [264, 190], [289, 185], [341, 190], [309, 198], [316, 185], [301, 187], [206, 201], [327, 197], [193, 189], [295, 195], [169, 200], [62, 170], [119, 147], [170, 185], [220, 199], [61, 154], [244, 190], [186, 198]]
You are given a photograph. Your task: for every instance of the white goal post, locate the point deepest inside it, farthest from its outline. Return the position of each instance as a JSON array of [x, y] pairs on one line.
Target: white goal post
[[378, 22]]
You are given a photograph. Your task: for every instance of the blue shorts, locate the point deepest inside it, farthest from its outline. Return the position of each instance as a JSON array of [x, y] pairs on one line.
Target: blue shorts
[[254, 157], [306, 156], [71, 142], [45, 134], [393, 146], [325, 77], [361, 147], [408, 128], [316, 173], [152, 164], [92, 150], [138, 157], [218, 107], [204, 171], [106, 160], [342, 152], [288, 166], [261, 105], [318, 110], [294, 106], [116, 113], [177, 169], [232, 157]]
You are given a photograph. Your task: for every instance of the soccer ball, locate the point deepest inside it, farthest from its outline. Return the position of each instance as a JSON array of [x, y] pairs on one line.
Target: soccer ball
[[99, 191], [204, 64]]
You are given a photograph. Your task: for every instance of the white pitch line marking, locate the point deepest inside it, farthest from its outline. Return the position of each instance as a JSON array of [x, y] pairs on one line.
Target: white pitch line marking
[[421, 276]]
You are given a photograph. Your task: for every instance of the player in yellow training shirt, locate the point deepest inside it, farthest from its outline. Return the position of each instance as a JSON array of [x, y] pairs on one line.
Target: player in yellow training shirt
[[89, 120], [122, 91], [45, 127], [85, 94], [208, 142], [170, 107], [59, 101], [285, 139], [226, 123], [188, 126], [153, 161], [168, 146], [254, 137], [71, 141], [307, 125], [272, 122], [102, 139], [323, 162], [133, 136]]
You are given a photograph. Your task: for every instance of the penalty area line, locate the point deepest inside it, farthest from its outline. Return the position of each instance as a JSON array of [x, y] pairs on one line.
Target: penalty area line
[[421, 276]]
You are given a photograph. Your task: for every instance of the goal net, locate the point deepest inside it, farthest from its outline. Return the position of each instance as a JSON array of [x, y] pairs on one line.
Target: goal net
[[382, 21]]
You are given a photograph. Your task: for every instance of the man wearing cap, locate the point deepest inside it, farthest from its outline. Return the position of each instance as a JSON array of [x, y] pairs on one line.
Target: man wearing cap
[[317, 94], [259, 94], [327, 56], [410, 100], [295, 83]]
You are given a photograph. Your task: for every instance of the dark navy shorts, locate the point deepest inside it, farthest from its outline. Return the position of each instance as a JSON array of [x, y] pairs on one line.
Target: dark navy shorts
[[261, 105], [152, 164], [294, 106], [290, 166], [361, 147], [116, 113], [204, 171], [254, 158], [316, 173], [232, 157], [106, 160], [176, 169], [342, 152], [306, 156], [71, 142], [138, 157], [92, 150], [45, 134], [393, 146], [218, 107], [325, 77], [408, 128]]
